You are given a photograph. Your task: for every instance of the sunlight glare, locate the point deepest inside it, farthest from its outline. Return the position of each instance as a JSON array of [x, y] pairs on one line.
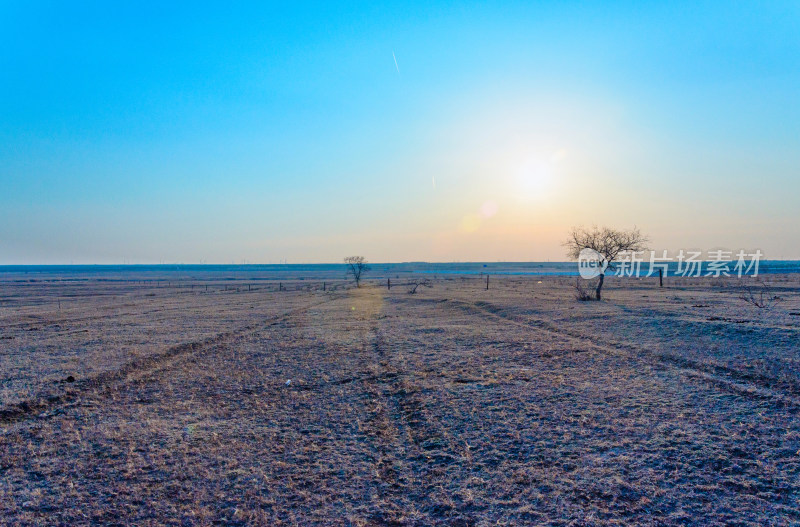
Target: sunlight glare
[[534, 180]]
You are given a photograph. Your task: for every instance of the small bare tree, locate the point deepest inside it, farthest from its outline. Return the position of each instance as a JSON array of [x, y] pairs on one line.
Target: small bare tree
[[582, 290], [759, 295], [608, 243], [356, 266], [414, 284]]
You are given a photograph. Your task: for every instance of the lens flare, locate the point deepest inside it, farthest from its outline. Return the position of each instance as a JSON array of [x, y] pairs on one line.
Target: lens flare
[[488, 209], [470, 223]]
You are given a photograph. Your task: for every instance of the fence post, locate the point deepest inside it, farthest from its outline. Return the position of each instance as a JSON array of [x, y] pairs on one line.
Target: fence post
[[661, 278], [388, 283], [487, 282]]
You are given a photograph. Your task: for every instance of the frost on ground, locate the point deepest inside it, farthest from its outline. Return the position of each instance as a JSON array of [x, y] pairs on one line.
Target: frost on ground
[[453, 406]]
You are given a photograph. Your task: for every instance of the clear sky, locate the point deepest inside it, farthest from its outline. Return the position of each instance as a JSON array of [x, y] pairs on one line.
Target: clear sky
[[143, 132]]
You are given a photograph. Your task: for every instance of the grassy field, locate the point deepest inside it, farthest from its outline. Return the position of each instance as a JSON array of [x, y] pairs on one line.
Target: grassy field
[[126, 403]]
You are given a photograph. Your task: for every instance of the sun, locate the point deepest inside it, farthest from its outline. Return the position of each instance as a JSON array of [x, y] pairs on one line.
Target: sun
[[534, 180]]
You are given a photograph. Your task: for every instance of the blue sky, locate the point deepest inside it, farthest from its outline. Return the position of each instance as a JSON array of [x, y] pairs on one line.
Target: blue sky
[[220, 132]]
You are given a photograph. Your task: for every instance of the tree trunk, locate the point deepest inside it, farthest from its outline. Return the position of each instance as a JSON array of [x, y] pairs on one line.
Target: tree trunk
[[599, 286]]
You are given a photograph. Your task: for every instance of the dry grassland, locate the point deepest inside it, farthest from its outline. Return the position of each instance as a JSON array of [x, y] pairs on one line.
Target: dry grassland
[[452, 406]]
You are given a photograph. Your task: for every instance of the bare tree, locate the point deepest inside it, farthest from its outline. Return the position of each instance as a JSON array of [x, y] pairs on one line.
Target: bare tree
[[608, 243], [356, 266], [759, 295], [582, 291], [414, 284]]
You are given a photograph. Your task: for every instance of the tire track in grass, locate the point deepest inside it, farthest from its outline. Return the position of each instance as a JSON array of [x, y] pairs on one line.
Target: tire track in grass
[[422, 446], [389, 435], [411, 408], [377, 380], [173, 306], [741, 383], [49, 402], [408, 442]]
